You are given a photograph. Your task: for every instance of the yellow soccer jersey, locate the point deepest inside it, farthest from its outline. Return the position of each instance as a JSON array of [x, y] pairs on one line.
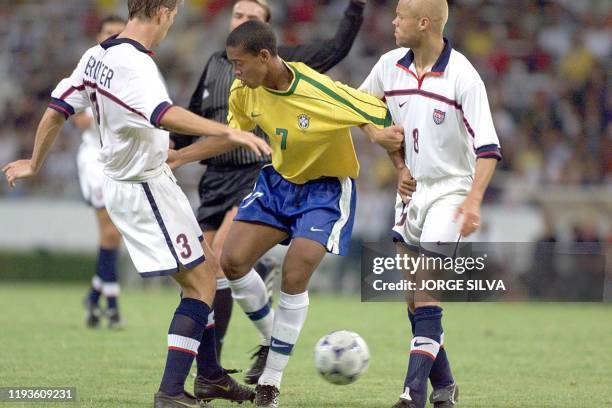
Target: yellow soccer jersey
[[308, 124]]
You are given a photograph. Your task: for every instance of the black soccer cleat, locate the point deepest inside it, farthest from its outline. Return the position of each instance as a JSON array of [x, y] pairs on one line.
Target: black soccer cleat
[[225, 388], [269, 269], [93, 314], [445, 397], [115, 322], [402, 403], [261, 355], [184, 400], [266, 396]]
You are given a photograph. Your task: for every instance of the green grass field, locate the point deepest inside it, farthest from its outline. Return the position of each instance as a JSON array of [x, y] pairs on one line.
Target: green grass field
[[503, 355]]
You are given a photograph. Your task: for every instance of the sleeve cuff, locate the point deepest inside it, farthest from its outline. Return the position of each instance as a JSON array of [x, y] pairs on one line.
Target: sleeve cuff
[[159, 112], [489, 152], [62, 107]]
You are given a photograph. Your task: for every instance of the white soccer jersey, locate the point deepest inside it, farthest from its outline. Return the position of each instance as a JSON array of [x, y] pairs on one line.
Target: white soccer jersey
[[445, 115], [126, 91], [90, 137]]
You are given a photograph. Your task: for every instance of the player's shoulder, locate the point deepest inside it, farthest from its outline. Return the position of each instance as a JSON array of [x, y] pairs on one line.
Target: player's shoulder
[[393, 56], [304, 70], [462, 69], [238, 87]]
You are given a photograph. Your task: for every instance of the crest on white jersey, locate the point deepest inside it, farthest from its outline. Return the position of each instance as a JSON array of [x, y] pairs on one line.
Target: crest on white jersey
[[438, 116], [303, 121]]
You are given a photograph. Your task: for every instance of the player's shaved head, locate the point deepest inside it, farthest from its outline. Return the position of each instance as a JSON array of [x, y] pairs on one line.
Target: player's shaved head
[[434, 10], [253, 36]]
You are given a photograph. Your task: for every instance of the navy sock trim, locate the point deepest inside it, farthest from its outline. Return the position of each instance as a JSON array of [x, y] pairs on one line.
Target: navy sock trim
[[259, 314], [194, 309]]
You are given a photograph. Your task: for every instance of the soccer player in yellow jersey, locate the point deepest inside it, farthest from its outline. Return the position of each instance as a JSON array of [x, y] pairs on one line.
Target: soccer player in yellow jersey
[[306, 197]]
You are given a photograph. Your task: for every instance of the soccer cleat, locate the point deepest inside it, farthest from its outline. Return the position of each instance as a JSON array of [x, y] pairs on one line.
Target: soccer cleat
[[93, 314], [269, 269], [115, 322], [184, 400], [445, 397], [261, 355], [266, 396], [402, 403], [224, 388]]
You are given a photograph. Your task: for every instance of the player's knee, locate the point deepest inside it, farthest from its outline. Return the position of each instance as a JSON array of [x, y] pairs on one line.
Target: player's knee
[[232, 265], [109, 237], [294, 283]]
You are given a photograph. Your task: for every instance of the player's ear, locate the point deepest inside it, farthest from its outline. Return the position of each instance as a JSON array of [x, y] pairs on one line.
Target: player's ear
[[264, 55]]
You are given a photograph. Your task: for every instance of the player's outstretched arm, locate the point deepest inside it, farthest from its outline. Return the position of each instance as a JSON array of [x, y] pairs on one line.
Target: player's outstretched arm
[[389, 138], [201, 150], [48, 129], [181, 120], [470, 208]]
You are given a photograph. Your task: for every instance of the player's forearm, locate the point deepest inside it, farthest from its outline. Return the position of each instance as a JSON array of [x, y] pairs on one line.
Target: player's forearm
[[397, 158], [485, 168], [48, 129], [180, 120], [204, 149]]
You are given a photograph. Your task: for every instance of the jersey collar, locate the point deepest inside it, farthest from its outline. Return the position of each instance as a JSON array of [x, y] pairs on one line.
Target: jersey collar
[[113, 40], [440, 64]]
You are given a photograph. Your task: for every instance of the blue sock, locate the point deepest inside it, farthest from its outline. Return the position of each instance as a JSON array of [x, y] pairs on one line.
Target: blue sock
[[423, 351], [207, 360], [107, 271], [440, 375], [94, 294], [184, 337]]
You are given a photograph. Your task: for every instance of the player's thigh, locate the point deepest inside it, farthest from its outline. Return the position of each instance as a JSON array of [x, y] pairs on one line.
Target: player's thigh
[[440, 234], [223, 230], [245, 243], [109, 234], [303, 257]]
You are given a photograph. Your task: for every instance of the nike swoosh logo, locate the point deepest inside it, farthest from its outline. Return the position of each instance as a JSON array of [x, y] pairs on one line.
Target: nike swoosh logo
[[254, 115], [401, 105], [313, 229], [226, 388], [417, 344], [275, 344]]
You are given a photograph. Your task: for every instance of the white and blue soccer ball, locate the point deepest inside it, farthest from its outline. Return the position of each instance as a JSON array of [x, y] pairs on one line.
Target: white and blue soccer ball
[[341, 357]]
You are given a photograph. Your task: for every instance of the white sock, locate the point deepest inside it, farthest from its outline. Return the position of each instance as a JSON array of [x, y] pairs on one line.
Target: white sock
[[251, 294], [290, 317]]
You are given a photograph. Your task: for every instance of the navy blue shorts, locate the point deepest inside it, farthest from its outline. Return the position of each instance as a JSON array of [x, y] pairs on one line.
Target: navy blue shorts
[[321, 210]]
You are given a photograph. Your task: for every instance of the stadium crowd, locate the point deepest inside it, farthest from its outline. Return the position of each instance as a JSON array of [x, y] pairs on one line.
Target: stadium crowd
[[544, 64]]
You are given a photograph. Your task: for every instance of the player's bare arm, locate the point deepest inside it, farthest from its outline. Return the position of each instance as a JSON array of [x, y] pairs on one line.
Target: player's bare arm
[[200, 150], [389, 138], [48, 129], [182, 121], [406, 185], [470, 208]]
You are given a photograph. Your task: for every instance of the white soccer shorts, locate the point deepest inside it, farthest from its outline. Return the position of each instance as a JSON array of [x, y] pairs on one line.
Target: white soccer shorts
[[157, 224], [426, 224], [91, 175]]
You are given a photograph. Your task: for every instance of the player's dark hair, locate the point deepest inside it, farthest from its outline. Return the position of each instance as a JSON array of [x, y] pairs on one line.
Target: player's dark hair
[[148, 8], [264, 5], [253, 36], [112, 18]]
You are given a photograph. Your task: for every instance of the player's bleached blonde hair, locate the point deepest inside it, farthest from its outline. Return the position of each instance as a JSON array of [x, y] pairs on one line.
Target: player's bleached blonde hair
[[148, 8], [264, 5]]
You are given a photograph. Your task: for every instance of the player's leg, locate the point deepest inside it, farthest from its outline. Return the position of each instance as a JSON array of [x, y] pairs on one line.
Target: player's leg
[[246, 242], [303, 257], [110, 238]]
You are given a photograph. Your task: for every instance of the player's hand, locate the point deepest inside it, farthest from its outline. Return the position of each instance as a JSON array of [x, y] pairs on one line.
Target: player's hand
[[390, 138], [469, 211], [250, 141], [20, 169], [406, 185], [174, 159]]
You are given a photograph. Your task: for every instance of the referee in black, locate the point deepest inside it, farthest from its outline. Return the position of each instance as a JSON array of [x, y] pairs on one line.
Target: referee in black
[[230, 176]]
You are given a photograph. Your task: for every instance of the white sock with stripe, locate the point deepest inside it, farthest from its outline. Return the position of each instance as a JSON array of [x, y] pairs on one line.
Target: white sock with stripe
[[251, 294], [290, 317]]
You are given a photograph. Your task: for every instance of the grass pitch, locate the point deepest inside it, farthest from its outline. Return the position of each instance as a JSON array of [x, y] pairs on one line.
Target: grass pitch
[[503, 355]]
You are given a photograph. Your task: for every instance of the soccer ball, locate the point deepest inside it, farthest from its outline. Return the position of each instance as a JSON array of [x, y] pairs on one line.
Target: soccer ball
[[341, 357]]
